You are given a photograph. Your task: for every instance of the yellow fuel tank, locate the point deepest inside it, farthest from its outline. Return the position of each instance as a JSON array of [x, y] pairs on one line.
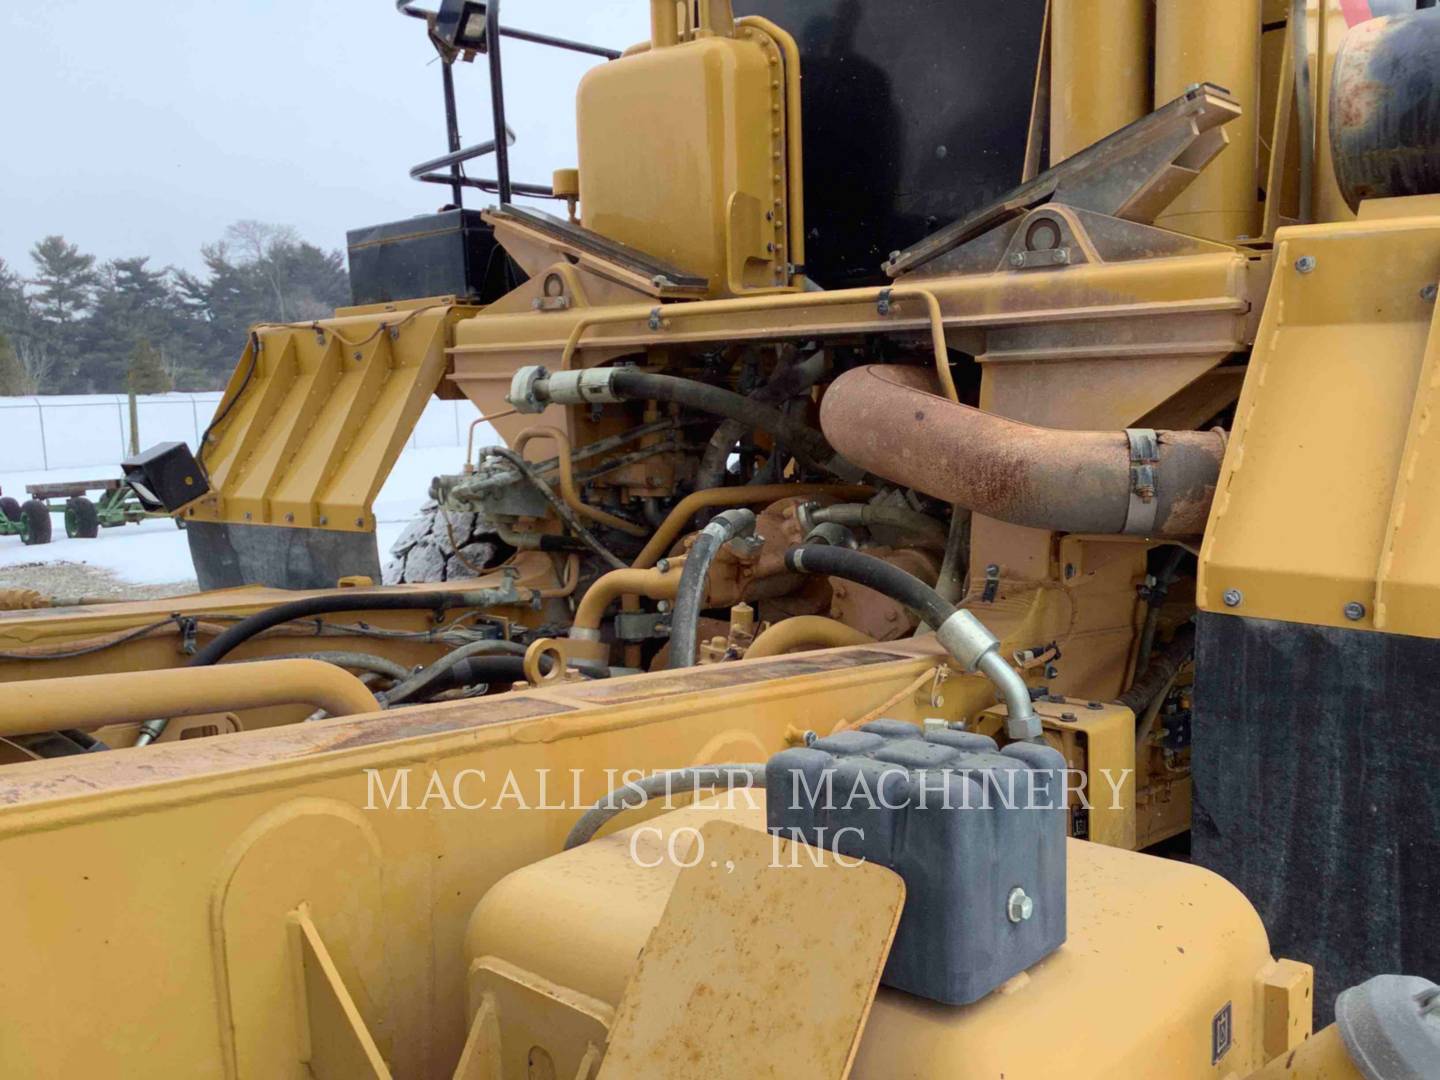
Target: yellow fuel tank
[[1166, 970]]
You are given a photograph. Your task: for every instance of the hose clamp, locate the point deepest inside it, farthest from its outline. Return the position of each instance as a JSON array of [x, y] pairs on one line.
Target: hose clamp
[[1144, 471]]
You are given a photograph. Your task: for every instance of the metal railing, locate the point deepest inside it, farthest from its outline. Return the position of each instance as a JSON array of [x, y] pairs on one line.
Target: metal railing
[[449, 168]]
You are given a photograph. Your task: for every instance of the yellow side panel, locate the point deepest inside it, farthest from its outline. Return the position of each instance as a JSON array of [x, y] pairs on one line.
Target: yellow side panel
[[325, 410], [1320, 500], [682, 157]]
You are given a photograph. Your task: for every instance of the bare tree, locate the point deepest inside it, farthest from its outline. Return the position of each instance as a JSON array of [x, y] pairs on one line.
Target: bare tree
[[260, 242], [37, 358]]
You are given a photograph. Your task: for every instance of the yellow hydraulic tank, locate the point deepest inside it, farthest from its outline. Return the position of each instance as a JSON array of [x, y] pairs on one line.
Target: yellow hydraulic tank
[[1099, 70], [1216, 43], [684, 156]]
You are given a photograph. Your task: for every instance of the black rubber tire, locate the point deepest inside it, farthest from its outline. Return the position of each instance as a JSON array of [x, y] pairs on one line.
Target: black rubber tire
[[82, 520], [34, 523], [10, 508]]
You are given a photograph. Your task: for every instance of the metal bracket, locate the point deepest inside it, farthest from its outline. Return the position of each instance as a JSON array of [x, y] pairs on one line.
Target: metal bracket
[[992, 584], [334, 1040], [1144, 466], [188, 627], [642, 625]]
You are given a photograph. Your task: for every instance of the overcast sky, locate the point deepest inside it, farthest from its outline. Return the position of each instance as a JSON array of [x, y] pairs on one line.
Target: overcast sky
[[146, 127]]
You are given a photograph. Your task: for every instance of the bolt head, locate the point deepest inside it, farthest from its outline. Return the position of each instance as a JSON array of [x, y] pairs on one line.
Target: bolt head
[[1354, 611], [1018, 906], [1017, 259], [1305, 263], [1233, 597], [1429, 292]]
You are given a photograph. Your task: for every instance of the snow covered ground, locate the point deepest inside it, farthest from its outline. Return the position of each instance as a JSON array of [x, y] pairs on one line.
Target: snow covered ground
[[156, 552]]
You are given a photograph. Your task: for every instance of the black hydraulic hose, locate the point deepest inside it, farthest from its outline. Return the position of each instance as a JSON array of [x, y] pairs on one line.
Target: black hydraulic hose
[[1161, 672], [425, 682], [472, 671], [923, 529], [788, 381], [963, 635], [311, 606], [1153, 604], [809, 445], [314, 606], [690, 596], [874, 574]]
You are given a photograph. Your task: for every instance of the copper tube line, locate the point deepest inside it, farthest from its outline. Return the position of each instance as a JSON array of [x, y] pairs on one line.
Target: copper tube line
[[91, 701], [470, 439], [794, 127], [568, 491], [650, 583], [744, 304], [567, 584], [801, 632], [674, 523]]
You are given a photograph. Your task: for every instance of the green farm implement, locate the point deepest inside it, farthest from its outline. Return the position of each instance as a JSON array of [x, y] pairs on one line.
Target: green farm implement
[[115, 504]]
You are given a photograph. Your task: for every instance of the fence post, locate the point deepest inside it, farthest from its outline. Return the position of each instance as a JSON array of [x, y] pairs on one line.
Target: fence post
[[134, 424], [44, 450]]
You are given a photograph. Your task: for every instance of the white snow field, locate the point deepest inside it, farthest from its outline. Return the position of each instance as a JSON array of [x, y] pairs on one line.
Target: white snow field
[[84, 438]]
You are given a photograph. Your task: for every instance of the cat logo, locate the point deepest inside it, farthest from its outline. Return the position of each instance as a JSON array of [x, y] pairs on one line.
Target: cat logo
[[1221, 1035]]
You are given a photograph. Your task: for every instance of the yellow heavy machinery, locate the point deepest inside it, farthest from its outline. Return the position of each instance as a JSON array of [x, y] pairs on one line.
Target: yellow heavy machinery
[[951, 409]]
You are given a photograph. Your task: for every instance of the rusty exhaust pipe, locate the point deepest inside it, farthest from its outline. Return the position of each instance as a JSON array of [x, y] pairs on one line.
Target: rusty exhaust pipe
[[888, 420]]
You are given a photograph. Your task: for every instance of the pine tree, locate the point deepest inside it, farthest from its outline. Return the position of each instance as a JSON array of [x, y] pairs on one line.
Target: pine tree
[[13, 380], [64, 279], [147, 374]]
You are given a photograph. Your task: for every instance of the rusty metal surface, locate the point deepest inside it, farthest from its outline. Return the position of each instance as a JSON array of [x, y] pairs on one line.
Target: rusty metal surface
[[1385, 108], [727, 676], [1076, 481], [726, 988]]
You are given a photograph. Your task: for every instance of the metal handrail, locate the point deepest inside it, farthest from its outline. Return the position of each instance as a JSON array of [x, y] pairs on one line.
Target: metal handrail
[[502, 185], [455, 157]]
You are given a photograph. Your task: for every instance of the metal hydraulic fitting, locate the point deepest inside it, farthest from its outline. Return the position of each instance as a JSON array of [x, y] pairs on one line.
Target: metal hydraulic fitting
[[533, 387], [971, 643]]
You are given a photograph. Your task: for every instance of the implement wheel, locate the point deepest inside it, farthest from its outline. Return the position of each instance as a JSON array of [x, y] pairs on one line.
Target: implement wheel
[[34, 523], [82, 520], [10, 508]]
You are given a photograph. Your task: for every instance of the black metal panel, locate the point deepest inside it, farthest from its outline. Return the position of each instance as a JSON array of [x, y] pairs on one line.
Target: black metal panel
[[915, 112], [449, 253], [281, 556], [1316, 757]]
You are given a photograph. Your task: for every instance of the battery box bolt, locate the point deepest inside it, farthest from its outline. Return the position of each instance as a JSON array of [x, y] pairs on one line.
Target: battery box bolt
[[1233, 597], [1019, 906], [1354, 611], [1305, 263]]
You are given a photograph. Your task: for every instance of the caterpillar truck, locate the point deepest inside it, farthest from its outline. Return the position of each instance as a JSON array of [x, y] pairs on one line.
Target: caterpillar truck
[[955, 590]]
